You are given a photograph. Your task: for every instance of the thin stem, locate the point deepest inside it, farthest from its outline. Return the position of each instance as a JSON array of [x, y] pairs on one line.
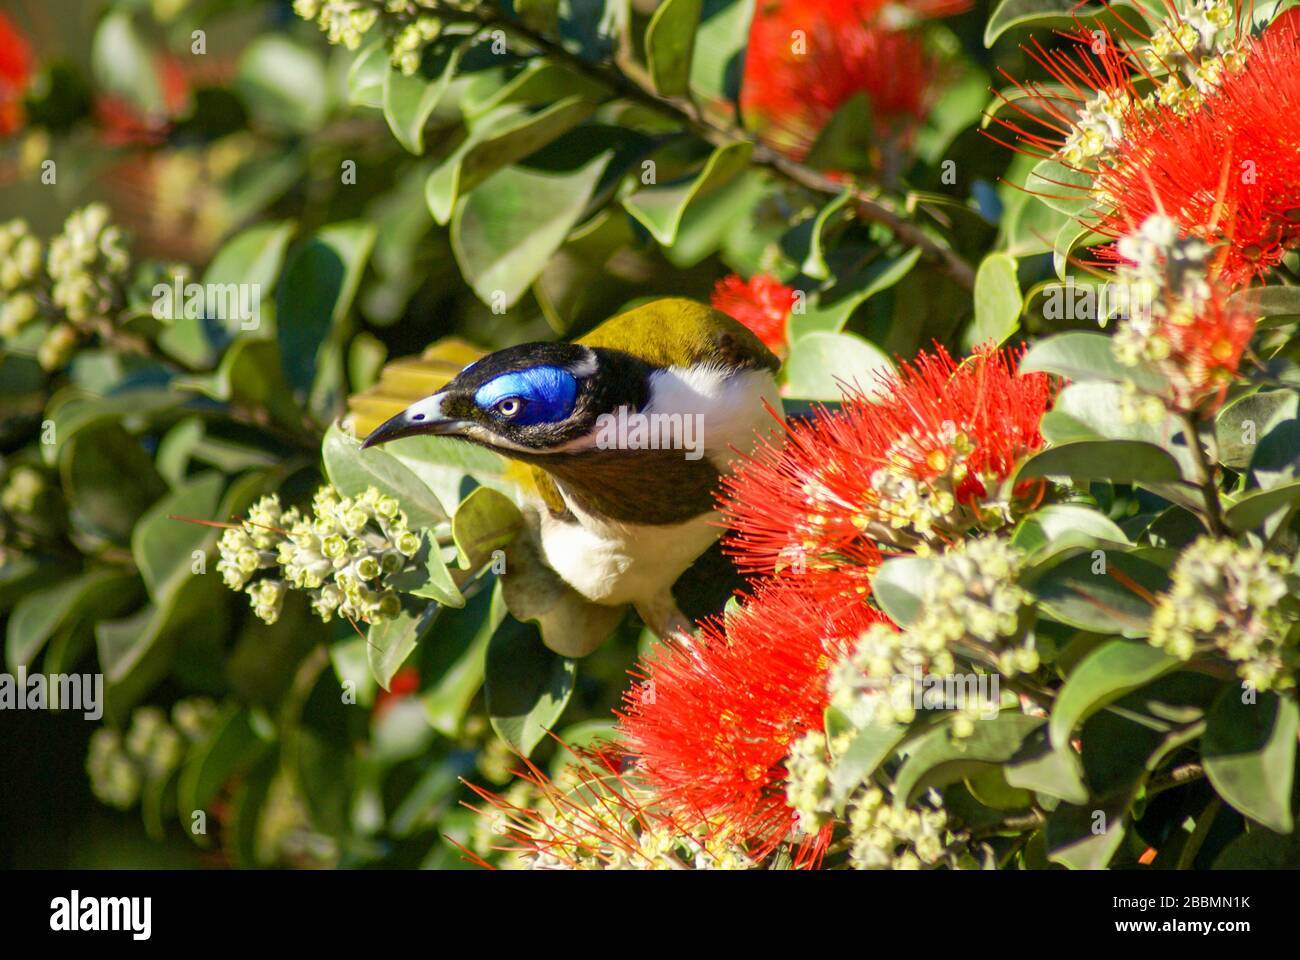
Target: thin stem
[[628, 80], [1205, 479]]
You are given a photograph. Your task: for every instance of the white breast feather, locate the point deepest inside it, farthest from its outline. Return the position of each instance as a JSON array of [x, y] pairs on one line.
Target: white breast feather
[[615, 563]]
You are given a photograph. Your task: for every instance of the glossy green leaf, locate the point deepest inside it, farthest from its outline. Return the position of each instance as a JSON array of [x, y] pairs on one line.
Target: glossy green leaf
[[506, 229], [500, 139], [389, 643], [485, 521], [1083, 356], [316, 293], [1104, 591], [1249, 754], [528, 685], [820, 362], [898, 586], [997, 301], [1119, 461], [352, 470], [97, 594], [938, 759], [1105, 675], [670, 43], [163, 547], [660, 208]]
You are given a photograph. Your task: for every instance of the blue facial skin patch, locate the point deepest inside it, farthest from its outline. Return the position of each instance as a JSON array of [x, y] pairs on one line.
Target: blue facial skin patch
[[548, 394]]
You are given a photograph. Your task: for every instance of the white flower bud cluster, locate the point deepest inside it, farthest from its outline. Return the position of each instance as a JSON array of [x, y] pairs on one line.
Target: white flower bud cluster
[[808, 781], [87, 264], [20, 271], [972, 602], [344, 21], [1234, 599], [340, 555], [410, 41], [1195, 49], [884, 837], [121, 764], [1098, 129]]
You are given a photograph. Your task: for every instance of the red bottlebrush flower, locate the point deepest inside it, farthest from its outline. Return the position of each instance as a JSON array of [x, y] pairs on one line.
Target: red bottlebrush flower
[[806, 60], [15, 74], [1224, 172], [762, 304], [918, 462], [598, 815], [712, 722], [1213, 148]]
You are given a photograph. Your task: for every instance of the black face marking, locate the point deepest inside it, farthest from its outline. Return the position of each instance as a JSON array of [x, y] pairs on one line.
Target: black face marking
[[607, 380]]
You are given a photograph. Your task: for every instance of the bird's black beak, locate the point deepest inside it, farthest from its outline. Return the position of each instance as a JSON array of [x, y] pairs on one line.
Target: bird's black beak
[[424, 418]]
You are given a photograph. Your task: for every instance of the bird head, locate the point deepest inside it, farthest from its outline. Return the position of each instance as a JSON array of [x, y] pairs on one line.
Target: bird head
[[542, 402]]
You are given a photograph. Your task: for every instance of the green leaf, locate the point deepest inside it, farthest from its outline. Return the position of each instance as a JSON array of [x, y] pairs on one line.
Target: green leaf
[[137, 651], [1055, 772], [500, 139], [109, 480], [1260, 850], [527, 684], [1085, 837], [409, 101], [829, 310], [163, 547], [390, 642], [284, 83], [1063, 13], [250, 376], [869, 747], [1241, 424], [123, 63], [1062, 526], [938, 759], [814, 260], [997, 301], [1100, 593], [669, 45], [367, 74], [1256, 508], [315, 294], [1119, 461], [506, 229], [660, 208], [1086, 356], [460, 645], [1103, 676], [96, 594], [720, 42], [1249, 754], [352, 470], [485, 521], [1062, 188], [898, 586], [230, 750], [820, 362], [1273, 305]]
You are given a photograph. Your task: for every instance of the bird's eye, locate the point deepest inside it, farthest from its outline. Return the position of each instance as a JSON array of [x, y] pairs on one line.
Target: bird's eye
[[509, 407]]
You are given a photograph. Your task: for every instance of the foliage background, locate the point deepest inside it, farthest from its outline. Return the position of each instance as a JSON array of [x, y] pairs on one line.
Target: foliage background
[[233, 162]]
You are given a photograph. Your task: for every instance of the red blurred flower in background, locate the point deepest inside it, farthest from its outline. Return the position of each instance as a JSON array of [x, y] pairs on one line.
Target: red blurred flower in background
[[123, 123], [761, 303], [807, 59], [710, 725], [15, 74], [917, 461]]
